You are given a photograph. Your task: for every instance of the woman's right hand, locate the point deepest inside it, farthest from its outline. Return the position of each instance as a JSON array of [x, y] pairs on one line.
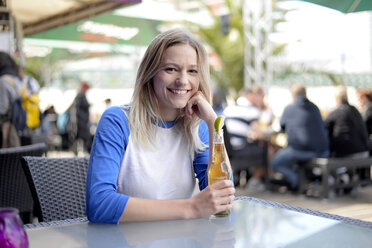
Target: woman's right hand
[[213, 199]]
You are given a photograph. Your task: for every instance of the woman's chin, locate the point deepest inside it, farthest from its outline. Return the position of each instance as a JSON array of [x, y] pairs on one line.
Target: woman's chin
[[180, 105]]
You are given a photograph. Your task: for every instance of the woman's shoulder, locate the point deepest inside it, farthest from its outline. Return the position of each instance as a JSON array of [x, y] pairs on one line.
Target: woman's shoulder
[[113, 122], [116, 111], [115, 114]]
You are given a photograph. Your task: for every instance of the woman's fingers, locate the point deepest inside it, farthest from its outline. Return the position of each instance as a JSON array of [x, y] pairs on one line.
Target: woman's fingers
[[199, 105], [215, 198], [222, 193], [222, 184], [225, 200], [193, 104]]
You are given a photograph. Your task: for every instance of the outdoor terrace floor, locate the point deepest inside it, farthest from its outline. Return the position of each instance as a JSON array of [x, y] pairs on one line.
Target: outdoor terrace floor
[[358, 206]]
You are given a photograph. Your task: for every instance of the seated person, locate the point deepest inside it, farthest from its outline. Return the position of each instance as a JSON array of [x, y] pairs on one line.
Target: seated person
[[347, 134], [346, 129], [145, 156], [307, 136], [365, 102], [240, 121]]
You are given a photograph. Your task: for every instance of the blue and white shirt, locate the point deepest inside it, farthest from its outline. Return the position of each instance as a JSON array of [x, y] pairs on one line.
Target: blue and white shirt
[[119, 168]]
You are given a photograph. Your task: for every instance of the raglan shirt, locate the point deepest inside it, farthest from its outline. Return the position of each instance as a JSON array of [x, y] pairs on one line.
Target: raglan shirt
[[113, 168]]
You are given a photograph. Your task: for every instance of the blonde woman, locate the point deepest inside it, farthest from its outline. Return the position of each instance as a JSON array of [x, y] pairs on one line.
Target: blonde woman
[[145, 156]]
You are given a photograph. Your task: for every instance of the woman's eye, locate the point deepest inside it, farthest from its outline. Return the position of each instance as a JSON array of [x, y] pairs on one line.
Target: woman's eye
[[170, 69], [193, 71]]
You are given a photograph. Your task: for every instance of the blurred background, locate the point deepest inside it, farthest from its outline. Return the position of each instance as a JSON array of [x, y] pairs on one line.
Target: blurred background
[[270, 43], [93, 48]]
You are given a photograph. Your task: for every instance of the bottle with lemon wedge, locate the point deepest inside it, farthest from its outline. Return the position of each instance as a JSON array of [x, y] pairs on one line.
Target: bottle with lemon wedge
[[220, 168]]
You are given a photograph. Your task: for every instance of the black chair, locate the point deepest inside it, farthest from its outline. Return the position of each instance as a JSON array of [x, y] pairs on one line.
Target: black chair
[[57, 186], [14, 189]]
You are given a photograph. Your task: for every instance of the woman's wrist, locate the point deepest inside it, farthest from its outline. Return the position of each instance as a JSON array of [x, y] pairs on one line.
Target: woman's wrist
[[189, 209], [210, 121]]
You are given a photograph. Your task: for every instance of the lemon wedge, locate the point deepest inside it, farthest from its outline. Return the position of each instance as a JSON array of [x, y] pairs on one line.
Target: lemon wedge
[[218, 123]]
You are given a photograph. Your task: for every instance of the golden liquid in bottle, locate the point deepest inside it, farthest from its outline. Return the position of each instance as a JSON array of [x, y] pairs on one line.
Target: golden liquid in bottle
[[219, 170]]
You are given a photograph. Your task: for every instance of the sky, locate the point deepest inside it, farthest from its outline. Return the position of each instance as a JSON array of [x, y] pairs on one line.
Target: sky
[[317, 35], [328, 38]]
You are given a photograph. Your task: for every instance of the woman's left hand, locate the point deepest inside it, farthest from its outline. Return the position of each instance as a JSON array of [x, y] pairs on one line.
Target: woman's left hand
[[200, 106]]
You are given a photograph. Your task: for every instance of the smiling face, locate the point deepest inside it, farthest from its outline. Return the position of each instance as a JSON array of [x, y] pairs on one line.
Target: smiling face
[[177, 80]]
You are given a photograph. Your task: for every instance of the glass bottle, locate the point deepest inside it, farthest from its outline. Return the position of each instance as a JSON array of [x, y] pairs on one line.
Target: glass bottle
[[220, 168], [12, 233]]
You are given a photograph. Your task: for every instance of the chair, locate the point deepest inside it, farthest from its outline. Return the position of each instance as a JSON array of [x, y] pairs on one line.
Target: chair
[[57, 186], [14, 189]]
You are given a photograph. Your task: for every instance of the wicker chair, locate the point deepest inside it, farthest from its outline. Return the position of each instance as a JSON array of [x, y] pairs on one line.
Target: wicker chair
[[57, 186], [14, 189]]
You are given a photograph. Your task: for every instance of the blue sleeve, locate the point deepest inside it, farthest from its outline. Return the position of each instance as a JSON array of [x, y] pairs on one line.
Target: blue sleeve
[[201, 159], [103, 203]]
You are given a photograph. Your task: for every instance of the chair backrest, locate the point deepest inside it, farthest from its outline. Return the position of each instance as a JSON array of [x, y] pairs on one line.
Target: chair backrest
[[57, 186], [14, 189]]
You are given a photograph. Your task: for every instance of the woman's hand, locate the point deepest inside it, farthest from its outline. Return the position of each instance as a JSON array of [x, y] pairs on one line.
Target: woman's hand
[[200, 106], [213, 199]]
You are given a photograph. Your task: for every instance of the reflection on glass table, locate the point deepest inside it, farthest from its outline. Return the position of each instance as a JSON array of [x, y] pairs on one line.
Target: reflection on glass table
[[252, 223]]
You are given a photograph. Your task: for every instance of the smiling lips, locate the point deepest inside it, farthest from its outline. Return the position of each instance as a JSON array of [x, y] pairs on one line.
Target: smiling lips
[[179, 92]]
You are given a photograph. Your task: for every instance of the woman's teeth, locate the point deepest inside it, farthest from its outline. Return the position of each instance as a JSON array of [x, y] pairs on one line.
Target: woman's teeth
[[180, 92]]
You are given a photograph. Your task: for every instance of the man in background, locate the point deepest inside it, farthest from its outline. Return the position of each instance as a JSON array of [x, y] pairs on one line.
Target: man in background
[[306, 133]]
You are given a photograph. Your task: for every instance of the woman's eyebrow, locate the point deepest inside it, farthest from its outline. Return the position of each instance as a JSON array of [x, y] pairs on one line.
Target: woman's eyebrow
[[175, 64]]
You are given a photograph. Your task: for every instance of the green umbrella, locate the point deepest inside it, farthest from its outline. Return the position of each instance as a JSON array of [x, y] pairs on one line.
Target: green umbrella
[[345, 6]]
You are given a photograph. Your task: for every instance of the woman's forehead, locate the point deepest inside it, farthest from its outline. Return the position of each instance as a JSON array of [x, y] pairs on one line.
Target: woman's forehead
[[182, 53]]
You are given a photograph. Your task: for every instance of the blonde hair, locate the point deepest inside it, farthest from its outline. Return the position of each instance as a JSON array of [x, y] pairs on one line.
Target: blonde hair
[[143, 118]]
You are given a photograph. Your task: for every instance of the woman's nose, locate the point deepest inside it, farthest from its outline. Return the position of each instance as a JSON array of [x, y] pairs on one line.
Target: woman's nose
[[182, 78]]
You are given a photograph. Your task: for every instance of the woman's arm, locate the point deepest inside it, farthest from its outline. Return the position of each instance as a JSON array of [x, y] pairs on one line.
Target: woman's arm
[[103, 203], [215, 198]]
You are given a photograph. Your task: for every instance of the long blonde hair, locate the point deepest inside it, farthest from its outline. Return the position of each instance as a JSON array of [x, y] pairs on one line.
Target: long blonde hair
[[143, 117]]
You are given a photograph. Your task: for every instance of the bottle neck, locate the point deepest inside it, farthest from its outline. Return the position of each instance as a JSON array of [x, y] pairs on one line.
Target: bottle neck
[[218, 137]]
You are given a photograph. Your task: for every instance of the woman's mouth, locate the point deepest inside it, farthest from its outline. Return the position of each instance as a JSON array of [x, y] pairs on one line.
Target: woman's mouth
[[178, 92]]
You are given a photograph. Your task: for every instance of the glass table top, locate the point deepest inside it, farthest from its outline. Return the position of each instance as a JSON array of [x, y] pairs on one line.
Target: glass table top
[[251, 224]]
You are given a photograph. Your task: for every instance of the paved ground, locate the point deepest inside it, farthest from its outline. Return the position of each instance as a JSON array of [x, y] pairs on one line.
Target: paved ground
[[358, 206]]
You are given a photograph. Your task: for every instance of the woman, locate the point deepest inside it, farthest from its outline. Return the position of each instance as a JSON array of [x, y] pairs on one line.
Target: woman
[[145, 156]]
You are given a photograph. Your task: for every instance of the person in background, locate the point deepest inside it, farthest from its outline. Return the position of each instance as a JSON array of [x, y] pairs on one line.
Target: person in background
[[240, 116], [365, 102], [241, 119], [54, 139], [267, 116], [10, 84], [261, 131], [81, 106], [108, 103], [145, 155], [30, 94], [346, 129], [306, 133], [219, 101], [29, 82]]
